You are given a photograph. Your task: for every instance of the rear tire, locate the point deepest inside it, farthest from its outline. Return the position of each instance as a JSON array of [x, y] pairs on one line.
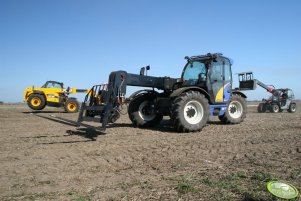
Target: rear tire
[[292, 108], [36, 101], [142, 111], [190, 112], [274, 108], [71, 105], [236, 111], [261, 108]]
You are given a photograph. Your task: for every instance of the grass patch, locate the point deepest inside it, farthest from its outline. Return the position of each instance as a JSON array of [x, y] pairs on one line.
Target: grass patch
[[84, 198], [39, 196], [241, 174], [207, 181], [145, 184], [246, 186], [242, 185], [261, 176], [141, 184], [186, 185], [222, 196]]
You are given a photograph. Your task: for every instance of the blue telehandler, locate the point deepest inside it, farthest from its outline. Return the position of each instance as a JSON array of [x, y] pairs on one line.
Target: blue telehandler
[[204, 89]]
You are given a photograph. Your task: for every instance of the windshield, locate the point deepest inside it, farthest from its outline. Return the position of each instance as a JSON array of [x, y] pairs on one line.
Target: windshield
[[52, 85], [194, 71]]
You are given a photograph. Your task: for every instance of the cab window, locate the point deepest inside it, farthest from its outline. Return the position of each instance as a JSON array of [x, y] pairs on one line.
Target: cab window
[[228, 73], [53, 85], [216, 71], [194, 71]]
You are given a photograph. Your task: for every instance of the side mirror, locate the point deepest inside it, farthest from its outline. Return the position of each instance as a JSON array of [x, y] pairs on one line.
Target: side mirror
[[142, 71]]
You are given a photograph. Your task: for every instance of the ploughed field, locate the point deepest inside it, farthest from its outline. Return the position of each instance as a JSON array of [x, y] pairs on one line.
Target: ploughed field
[[44, 158]]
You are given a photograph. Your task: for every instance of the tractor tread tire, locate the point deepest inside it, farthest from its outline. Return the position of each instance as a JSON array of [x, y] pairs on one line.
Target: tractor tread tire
[[133, 112], [42, 99], [292, 108], [70, 101], [227, 119], [177, 114], [274, 108]]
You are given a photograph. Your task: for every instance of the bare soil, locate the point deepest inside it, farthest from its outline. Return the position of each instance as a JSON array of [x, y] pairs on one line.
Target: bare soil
[[43, 158]]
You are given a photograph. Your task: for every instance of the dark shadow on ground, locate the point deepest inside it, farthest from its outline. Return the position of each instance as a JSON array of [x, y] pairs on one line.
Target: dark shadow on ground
[[164, 126], [66, 142], [69, 122], [120, 125], [216, 123], [88, 133]]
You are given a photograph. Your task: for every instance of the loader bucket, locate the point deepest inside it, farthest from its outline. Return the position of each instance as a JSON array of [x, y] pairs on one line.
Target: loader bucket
[[246, 81]]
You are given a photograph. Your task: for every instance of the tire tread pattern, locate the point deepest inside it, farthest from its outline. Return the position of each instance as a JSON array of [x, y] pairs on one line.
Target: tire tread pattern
[[177, 113], [227, 119], [134, 113], [41, 106], [69, 100]]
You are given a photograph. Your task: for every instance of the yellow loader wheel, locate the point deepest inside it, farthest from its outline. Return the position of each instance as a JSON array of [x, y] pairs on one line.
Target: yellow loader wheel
[[71, 105], [36, 102]]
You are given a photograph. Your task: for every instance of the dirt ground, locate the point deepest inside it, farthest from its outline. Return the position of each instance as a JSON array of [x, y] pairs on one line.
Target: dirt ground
[[42, 158]]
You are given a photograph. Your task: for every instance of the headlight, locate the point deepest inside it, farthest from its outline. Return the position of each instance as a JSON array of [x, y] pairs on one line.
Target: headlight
[[51, 96]]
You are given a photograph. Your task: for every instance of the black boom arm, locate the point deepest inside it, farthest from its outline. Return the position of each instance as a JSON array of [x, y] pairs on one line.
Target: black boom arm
[[118, 81], [105, 100]]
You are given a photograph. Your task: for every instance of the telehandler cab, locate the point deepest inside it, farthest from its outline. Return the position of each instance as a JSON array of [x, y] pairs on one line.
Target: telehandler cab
[[53, 94], [204, 89]]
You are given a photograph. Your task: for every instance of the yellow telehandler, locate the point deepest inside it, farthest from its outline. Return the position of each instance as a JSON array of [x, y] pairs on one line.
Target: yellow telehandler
[[53, 94]]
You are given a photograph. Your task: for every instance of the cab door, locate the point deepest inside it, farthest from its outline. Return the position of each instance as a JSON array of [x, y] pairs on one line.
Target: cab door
[[227, 86], [220, 80]]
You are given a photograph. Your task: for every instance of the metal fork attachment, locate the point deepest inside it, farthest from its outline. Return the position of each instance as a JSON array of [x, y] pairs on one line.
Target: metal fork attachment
[[102, 102]]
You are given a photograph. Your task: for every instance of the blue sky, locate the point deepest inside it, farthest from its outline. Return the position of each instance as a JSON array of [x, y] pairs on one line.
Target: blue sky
[[81, 42]]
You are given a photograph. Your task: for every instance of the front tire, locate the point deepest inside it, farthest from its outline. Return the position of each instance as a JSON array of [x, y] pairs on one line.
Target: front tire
[[292, 108], [142, 111], [274, 108], [236, 111], [190, 112], [36, 101], [71, 105]]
